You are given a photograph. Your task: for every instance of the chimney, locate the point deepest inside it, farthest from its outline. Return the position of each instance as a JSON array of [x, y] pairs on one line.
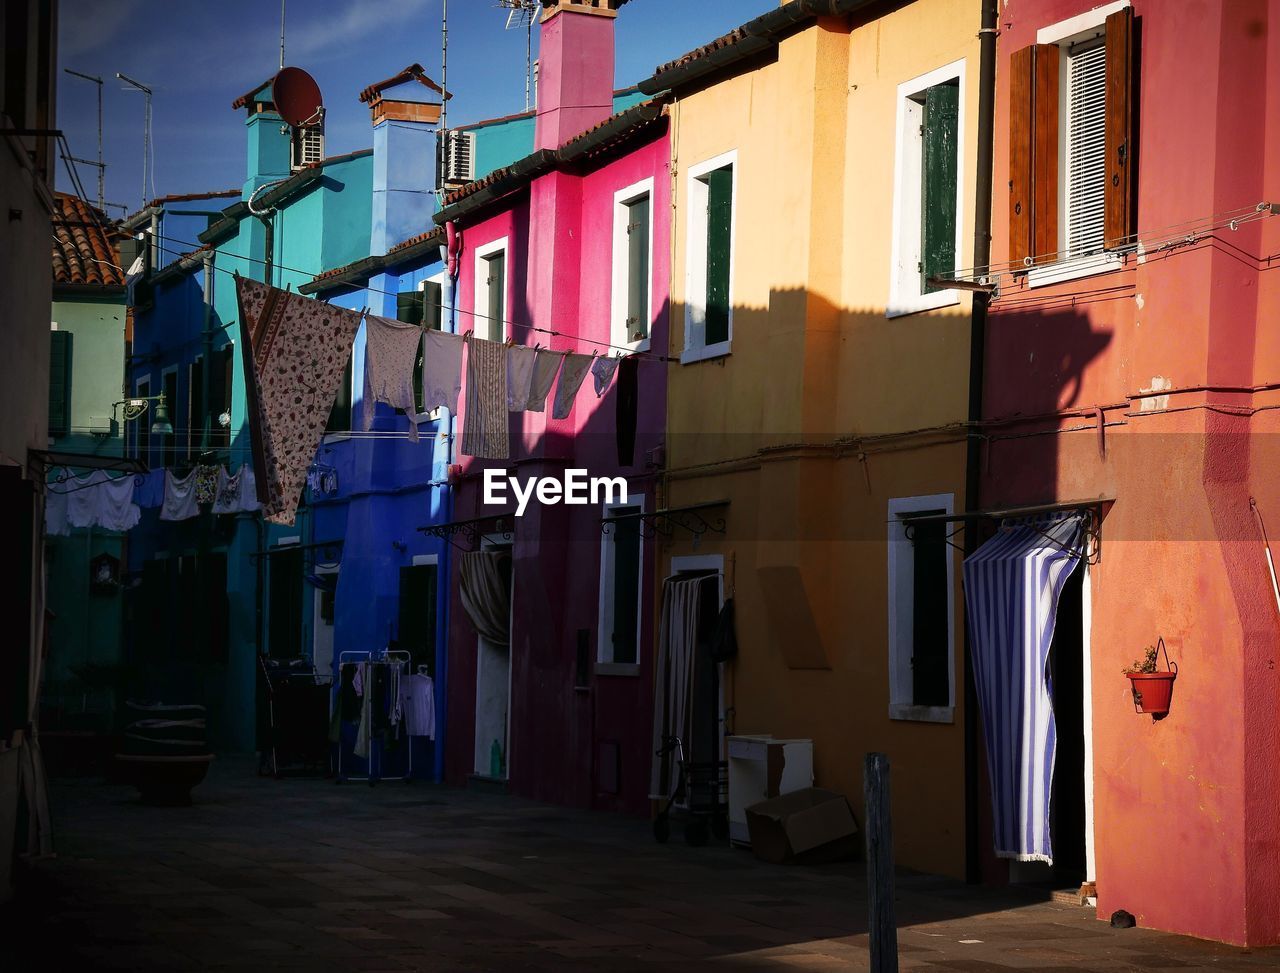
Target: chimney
[[405, 112], [268, 138], [575, 68]]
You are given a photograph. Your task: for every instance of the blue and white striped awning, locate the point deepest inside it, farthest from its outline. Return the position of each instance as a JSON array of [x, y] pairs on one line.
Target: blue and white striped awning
[[1011, 588]]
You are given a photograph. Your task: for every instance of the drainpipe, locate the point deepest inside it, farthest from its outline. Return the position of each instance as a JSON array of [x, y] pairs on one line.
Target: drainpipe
[[973, 446], [268, 243]]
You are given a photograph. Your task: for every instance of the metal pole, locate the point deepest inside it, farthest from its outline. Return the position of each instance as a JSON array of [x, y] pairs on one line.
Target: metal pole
[[882, 930], [146, 129], [444, 98], [282, 33], [102, 168]]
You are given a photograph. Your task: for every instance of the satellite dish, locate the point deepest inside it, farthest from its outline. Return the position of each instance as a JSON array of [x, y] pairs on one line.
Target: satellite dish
[[297, 97]]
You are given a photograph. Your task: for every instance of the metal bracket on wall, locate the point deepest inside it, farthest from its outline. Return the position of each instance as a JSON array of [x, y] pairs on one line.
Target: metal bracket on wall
[[697, 519], [1091, 512], [471, 531]]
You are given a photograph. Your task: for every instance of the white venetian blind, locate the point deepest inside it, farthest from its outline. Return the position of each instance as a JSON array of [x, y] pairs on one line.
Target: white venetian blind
[[1086, 149]]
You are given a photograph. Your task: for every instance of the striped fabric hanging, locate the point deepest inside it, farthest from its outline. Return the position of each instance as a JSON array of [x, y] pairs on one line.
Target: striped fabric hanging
[[1011, 588]]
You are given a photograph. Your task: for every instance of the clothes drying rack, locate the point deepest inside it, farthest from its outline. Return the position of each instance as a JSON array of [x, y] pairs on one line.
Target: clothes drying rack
[[396, 659]]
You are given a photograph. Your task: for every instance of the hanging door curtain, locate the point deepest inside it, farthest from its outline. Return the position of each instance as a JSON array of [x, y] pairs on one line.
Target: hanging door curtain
[[1011, 587], [486, 593], [672, 709], [296, 351]]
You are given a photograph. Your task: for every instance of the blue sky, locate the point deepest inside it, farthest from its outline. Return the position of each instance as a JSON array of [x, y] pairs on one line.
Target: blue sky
[[199, 56]]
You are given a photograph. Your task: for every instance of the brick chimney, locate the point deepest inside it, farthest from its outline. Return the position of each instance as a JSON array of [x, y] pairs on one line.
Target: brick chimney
[[575, 68]]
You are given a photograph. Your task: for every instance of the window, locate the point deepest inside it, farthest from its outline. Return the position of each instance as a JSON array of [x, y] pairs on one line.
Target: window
[[632, 265], [708, 319], [927, 190], [1071, 146], [195, 408], [416, 629], [221, 382], [421, 306], [621, 572], [340, 414], [284, 606], [60, 344], [921, 611], [491, 290]]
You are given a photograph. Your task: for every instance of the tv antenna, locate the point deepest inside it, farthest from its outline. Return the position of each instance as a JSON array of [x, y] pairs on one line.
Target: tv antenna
[[100, 165], [521, 13], [146, 134]]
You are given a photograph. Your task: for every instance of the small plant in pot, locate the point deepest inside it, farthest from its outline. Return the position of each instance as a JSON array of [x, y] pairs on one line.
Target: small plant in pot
[[1152, 689]]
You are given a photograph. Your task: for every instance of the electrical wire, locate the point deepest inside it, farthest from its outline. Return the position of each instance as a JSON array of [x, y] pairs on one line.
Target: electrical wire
[[646, 355]]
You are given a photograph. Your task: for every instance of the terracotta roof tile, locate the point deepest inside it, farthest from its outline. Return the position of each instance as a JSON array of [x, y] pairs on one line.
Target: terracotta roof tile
[[84, 245], [414, 72], [243, 100], [725, 40]]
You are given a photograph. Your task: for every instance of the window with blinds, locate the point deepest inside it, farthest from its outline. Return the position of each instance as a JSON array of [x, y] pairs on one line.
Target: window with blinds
[[1086, 161]]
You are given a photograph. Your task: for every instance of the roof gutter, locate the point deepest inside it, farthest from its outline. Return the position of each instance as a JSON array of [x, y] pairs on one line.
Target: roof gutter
[[233, 214], [545, 160], [359, 272], [761, 33]]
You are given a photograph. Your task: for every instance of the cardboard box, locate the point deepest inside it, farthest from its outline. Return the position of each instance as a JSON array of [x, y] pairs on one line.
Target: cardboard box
[[804, 827]]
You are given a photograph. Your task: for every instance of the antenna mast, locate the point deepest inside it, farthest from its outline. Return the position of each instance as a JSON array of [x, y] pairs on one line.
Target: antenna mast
[[282, 33], [146, 133], [521, 13], [101, 166]]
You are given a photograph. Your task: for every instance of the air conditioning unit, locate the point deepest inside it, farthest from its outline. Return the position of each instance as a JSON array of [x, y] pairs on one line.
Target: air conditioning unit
[[308, 146], [460, 156], [101, 426]]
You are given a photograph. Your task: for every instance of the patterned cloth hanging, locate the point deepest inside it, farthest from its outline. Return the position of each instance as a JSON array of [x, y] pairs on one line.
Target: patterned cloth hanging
[[298, 349], [484, 426]]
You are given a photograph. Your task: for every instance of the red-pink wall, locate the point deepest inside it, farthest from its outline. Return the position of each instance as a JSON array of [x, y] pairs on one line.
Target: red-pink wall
[[1187, 809], [559, 278]]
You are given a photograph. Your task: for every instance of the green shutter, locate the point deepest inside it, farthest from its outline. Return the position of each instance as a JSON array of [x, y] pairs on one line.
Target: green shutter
[[638, 269], [497, 266], [626, 584], [59, 383], [719, 237], [940, 156], [409, 307], [340, 414], [433, 298]]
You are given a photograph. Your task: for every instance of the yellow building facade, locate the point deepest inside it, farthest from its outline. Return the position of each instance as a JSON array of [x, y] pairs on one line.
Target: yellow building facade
[[828, 404]]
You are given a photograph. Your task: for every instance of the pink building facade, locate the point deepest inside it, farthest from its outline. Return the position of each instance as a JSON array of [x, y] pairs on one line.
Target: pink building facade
[[563, 713]]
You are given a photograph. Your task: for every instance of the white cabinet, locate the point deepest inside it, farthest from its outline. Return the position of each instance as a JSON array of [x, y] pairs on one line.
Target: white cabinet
[[761, 767]]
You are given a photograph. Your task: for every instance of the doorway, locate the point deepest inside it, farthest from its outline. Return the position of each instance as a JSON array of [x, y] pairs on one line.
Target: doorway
[[493, 689]]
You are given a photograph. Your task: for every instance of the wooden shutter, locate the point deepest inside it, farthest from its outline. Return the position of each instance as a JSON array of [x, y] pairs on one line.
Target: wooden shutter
[[1118, 226], [432, 300], [409, 307], [638, 269], [719, 241], [59, 383], [1033, 152], [938, 185], [496, 282], [195, 408]]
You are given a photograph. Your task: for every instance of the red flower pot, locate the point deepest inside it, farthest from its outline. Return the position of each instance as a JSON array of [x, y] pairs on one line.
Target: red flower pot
[[1152, 691]]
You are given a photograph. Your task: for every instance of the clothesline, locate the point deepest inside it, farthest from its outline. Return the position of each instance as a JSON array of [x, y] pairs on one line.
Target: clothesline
[[642, 355]]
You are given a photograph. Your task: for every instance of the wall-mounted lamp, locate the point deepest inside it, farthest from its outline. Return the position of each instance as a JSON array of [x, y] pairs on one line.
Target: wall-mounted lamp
[[135, 407]]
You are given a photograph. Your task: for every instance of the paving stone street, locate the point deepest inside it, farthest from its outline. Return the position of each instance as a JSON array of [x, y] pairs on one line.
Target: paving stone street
[[301, 874]]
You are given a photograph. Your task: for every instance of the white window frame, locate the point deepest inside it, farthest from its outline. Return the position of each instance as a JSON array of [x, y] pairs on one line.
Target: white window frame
[[432, 415], [618, 303], [695, 274], [901, 563], [480, 291], [1064, 33], [906, 295], [605, 666]]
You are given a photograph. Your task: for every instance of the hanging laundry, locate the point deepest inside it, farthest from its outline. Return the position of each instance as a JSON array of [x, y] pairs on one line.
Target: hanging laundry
[[418, 703], [298, 349], [572, 373], [179, 497], [602, 370], [520, 362], [55, 506], [82, 498], [626, 400], [114, 503], [238, 493], [545, 367], [484, 430], [390, 356], [208, 480], [441, 370], [150, 490]]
